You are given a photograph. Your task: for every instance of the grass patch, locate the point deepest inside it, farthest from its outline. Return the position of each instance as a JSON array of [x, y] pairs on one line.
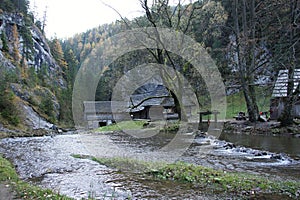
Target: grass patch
[[24, 190], [225, 182], [124, 125], [124, 164], [203, 177], [138, 125], [171, 126]]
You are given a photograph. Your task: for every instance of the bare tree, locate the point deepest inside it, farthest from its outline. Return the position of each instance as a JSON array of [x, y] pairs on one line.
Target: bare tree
[[160, 14], [245, 34], [177, 16], [44, 21], [291, 46]]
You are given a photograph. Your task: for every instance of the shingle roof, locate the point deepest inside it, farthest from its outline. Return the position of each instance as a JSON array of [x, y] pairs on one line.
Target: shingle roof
[[104, 106], [161, 96], [280, 88], [156, 92]]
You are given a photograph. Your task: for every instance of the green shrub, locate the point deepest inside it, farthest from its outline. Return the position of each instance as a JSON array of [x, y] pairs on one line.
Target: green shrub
[[8, 110], [4, 42], [46, 107]]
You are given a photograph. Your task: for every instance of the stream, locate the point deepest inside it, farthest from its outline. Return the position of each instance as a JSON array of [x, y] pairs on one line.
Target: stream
[[47, 162]]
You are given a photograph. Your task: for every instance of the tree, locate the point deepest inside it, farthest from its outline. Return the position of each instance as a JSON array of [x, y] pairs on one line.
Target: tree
[[6, 5], [209, 28], [245, 45], [27, 41], [22, 6], [8, 109], [287, 50], [201, 20], [58, 54], [5, 47], [14, 6], [161, 15], [72, 69], [16, 43], [183, 18], [44, 21], [46, 106]]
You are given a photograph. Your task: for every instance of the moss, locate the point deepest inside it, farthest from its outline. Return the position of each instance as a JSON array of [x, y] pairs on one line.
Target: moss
[[24, 190], [224, 181]]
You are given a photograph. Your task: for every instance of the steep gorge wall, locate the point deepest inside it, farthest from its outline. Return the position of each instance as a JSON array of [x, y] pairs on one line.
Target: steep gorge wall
[[37, 57], [36, 75]]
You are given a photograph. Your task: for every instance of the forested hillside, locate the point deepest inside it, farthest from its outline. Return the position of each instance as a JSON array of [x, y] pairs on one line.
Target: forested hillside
[[250, 42]]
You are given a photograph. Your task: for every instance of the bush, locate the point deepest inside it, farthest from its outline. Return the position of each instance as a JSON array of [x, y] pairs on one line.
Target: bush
[[46, 107], [4, 42], [7, 108]]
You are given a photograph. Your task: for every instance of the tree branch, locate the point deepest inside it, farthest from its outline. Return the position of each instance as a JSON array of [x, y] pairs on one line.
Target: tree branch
[[146, 99]]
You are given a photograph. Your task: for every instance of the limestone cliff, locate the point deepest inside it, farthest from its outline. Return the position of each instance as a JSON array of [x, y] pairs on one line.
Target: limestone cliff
[[34, 52], [25, 57]]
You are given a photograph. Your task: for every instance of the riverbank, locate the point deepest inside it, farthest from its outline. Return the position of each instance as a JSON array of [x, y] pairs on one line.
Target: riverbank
[[261, 128], [11, 187], [39, 132], [7, 133], [230, 126], [225, 184]]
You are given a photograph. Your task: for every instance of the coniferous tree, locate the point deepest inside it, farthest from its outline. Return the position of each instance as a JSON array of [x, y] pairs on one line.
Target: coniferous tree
[[58, 54], [4, 42], [15, 44]]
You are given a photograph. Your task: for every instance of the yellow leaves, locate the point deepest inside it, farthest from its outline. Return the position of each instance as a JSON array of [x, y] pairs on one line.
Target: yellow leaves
[[16, 43], [105, 68]]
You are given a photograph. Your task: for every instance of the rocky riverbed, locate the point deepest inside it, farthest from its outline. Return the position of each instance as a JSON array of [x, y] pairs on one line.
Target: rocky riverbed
[[48, 162]]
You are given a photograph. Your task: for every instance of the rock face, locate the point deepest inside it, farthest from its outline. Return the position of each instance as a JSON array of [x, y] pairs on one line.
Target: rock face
[[5, 63], [26, 56], [34, 120], [31, 42], [36, 95]]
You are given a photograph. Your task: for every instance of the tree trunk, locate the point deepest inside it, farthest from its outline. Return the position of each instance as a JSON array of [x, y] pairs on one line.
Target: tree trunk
[[246, 63], [251, 103], [286, 118], [175, 86]]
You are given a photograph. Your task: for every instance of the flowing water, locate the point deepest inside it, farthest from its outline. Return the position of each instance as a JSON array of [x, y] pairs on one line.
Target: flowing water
[[47, 162], [278, 144]]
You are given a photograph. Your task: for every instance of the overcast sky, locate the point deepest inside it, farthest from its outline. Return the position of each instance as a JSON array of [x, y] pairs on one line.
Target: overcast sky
[[68, 17]]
